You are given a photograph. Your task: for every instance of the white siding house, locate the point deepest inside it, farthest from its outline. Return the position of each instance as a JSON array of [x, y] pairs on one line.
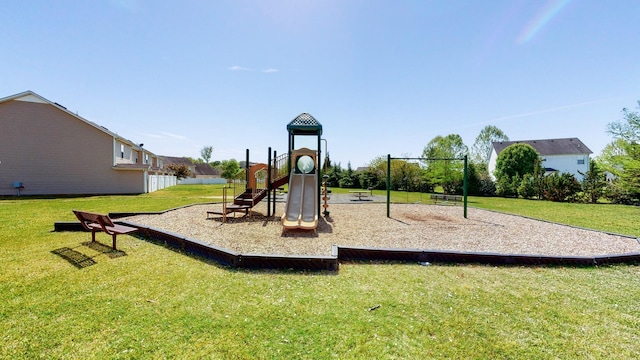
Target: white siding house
[[558, 155]]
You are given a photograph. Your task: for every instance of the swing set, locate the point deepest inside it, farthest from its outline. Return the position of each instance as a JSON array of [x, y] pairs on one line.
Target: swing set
[[464, 178]]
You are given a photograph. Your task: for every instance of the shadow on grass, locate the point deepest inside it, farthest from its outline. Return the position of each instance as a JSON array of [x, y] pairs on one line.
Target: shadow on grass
[[81, 260], [75, 258], [107, 250]]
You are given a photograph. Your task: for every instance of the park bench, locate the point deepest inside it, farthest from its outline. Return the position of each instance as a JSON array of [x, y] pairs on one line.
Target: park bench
[[97, 222], [445, 198]]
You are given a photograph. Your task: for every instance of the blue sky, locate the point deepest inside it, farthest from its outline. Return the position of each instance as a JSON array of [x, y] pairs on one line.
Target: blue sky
[[382, 77]]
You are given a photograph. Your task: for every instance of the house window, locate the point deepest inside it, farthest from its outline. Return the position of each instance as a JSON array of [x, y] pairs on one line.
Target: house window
[[580, 161], [122, 151]]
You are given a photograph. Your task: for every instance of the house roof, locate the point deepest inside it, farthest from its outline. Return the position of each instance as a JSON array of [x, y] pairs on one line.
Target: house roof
[[206, 169], [568, 146], [176, 160], [31, 96]]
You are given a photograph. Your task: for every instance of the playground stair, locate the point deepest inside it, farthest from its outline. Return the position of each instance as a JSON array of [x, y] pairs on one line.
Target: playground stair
[[250, 198]]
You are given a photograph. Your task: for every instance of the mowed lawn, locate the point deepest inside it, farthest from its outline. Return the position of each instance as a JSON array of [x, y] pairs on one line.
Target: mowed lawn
[[154, 302]]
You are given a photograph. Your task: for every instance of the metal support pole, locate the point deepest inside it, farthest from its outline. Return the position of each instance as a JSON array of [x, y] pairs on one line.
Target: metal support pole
[[269, 167], [388, 184], [318, 179], [275, 158], [465, 185], [246, 170]]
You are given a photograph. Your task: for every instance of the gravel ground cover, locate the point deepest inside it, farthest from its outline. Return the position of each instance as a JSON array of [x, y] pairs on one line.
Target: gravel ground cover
[[411, 226]]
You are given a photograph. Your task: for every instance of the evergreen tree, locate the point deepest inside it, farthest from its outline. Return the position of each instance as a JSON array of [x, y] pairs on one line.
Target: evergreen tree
[[594, 182]]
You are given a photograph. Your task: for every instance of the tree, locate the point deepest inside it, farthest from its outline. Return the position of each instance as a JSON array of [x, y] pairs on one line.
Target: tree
[[625, 164], [629, 129], [181, 171], [512, 165], [230, 169], [482, 147], [561, 187], [205, 153], [593, 182], [446, 173], [516, 159], [347, 180], [376, 173]]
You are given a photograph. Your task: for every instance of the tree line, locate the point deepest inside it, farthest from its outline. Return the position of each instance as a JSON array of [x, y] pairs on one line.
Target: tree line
[[518, 173]]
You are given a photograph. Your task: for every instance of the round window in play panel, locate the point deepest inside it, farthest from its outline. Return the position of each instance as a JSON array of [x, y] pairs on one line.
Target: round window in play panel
[[305, 164]]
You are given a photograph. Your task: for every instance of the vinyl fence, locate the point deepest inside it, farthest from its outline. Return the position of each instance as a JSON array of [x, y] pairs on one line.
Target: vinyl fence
[[159, 182]]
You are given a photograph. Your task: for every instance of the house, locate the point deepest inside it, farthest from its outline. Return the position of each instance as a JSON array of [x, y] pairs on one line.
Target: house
[[558, 155], [46, 149], [206, 171], [174, 160], [197, 170]]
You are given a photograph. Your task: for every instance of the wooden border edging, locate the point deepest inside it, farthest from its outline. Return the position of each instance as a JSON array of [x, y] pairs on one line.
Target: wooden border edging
[[233, 259], [345, 253], [416, 255]]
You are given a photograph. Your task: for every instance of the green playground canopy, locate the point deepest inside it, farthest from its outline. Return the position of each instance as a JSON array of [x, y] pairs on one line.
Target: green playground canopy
[[304, 124]]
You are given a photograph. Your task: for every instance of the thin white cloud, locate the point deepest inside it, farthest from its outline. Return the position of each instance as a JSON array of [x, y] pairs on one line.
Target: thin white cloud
[[271, 70], [166, 135], [544, 111], [239, 68]]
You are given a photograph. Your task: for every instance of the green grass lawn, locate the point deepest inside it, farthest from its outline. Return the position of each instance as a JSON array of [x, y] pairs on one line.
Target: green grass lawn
[[155, 302]]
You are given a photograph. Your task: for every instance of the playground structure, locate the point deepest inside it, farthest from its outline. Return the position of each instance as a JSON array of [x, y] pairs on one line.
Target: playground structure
[[299, 168], [301, 208]]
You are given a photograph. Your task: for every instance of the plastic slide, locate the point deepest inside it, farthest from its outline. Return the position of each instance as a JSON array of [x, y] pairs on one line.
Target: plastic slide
[[300, 212]]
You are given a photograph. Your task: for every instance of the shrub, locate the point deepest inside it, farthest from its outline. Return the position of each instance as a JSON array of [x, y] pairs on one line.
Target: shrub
[[561, 187], [528, 188]]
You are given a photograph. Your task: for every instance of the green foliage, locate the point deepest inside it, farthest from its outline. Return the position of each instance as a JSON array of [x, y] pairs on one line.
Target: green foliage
[[231, 169], [181, 171], [508, 186], [483, 145], [616, 193], [528, 188], [487, 186], [516, 159], [622, 158], [593, 182], [205, 153], [349, 179], [334, 173], [196, 161], [447, 172], [561, 187]]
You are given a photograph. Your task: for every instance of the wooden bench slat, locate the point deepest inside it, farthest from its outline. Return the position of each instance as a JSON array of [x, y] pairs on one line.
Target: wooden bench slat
[[98, 222]]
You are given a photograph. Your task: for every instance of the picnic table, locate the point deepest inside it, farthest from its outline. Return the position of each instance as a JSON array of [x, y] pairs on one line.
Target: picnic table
[[361, 194]]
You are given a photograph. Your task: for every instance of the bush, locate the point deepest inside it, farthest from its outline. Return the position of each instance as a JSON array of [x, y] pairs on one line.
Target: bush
[[527, 188], [508, 186], [561, 187], [618, 194], [487, 187]]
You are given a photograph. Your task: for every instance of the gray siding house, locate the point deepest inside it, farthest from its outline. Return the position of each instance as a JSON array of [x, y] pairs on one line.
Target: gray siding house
[[568, 155], [47, 150]]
